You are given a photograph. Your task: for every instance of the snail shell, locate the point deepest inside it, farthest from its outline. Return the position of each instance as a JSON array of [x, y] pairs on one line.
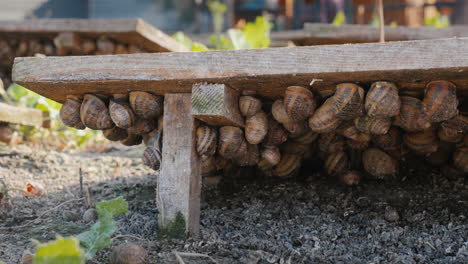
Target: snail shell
[[357, 145], [451, 136], [308, 137], [456, 125], [94, 113], [276, 134], [388, 141], [460, 159], [207, 138], [146, 105], [152, 158], [336, 163], [249, 105], [265, 167], [348, 99], [293, 147], [411, 117], [373, 125], [132, 140], [256, 127], [297, 129], [324, 92], [348, 130], [250, 158], [378, 163], [382, 100], [279, 112], [324, 120], [6, 133], [128, 253], [70, 112], [120, 112], [424, 142], [142, 126], [350, 177], [232, 143], [288, 166], [220, 162], [440, 101], [208, 166], [271, 155], [299, 103], [331, 142], [115, 134]]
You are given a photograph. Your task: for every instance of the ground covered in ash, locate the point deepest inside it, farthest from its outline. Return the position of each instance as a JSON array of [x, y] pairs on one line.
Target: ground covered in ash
[[419, 218]]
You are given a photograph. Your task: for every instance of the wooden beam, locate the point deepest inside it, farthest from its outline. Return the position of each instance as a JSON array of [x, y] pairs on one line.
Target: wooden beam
[[20, 115], [179, 183], [216, 104], [130, 31], [410, 64]]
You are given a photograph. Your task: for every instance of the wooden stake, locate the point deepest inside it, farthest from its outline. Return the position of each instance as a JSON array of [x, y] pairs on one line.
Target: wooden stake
[[381, 19]]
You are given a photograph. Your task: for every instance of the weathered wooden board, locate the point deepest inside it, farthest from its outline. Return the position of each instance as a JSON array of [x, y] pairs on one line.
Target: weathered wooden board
[[216, 104], [319, 34], [179, 183], [20, 115], [130, 31], [411, 64]]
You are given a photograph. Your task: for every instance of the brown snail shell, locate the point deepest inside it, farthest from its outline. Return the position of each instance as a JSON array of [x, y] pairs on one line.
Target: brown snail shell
[[308, 137], [265, 167], [378, 163], [293, 147], [115, 134], [297, 129], [149, 138], [388, 141], [324, 120], [128, 253], [142, 126], [208, 166], [152, 158], [220, 162], [324, 92], [382, 100], [231, 142], [442, 155], [288, 166], [146, 105], [298, 103], [460, 159], [279, 113], [256, 127], [331, 142], [440, 101], [424, 142], [6, 133], [207, 138], [348, 130], [336, 163], [249, 105], [456, 125], [251, 158], [348, 99], [373, 125], [120, 112], [70, 112], [132, 140], [411, 117], [271, 155], [452, 136], [276, 134], [94, 113], [350, 177]]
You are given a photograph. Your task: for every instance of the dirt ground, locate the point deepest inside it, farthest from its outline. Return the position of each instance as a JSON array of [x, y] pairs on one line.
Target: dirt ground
[[419, 218]]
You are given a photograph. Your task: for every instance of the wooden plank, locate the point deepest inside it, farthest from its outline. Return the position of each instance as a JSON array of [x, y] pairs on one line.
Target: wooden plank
[[319, 34], [130, 31], [216, 104], [179, 184], [410, 64], [20, 115]]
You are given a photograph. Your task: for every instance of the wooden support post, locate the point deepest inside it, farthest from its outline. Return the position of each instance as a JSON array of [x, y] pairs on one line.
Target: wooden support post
[[179, 184], [216, 104], [20, 115]]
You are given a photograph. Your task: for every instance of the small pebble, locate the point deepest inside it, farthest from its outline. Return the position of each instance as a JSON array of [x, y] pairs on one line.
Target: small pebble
[[90, 215], [391, 214]]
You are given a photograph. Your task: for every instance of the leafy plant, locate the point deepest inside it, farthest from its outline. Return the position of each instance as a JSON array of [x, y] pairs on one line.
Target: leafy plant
[[437, 21], [59, 251], [217, 10], [339, 19]]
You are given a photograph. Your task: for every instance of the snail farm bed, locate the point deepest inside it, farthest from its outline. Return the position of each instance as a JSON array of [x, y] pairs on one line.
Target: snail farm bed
[[347, 104]]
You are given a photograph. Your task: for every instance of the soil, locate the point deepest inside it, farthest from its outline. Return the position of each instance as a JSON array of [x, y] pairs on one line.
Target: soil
[[421, 217]]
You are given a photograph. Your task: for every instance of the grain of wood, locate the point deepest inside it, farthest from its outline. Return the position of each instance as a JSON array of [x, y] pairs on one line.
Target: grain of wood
[[409, 64], [179, 184], [20, 115], [216, 104]]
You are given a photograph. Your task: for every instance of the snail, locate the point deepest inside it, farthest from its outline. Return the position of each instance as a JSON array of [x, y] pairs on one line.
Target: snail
[[298, 103], [94, 113], [128, 253], [324, 92], [220, 162], [132, 140], [308, 137], [256, 127], [378, 163], [146, 105], [452, 136], [120, 111], [460, 159], [288, 166], [373, 125], [271, 155], [350, 177], [440, 101], [456, 125], [208, 166], [250, 158], [388, 141], [249, 105], [6, 133], [265, 167], [411, 117], [232, 143], [330, 142], [142, 126], [207, 138], [152, 158], [324, 119], [115, 134], [336, 163], [424, 142], [279, 114], [70, 112], [382, 100], [276, 134], [349, 130], [348, 99]]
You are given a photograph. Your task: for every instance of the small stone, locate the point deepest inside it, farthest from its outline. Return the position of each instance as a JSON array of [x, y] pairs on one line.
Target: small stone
[[90, 215], [391, 214]]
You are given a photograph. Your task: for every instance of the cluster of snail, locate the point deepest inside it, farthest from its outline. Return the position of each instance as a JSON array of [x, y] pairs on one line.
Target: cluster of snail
[[355, 133]]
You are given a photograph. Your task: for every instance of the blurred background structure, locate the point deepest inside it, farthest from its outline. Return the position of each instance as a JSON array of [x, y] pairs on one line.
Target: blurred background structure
[[194, 16]]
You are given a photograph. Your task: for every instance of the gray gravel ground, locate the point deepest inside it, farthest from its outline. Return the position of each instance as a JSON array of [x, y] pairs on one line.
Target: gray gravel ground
[[419, 218]]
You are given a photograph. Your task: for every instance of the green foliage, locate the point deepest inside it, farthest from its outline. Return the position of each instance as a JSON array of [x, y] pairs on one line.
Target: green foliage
[[339, 19], [217, 10], [59, 251], [187, 42], [99, 235], [176, 229], [437, 21]]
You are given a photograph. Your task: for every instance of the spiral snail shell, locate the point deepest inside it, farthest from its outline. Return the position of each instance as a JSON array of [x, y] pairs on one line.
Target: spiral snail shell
[[232, 143], [207, 138], [348, 99], [299, 103], [250, 158], [336, 163], [271, 155], [324, 119], [132, 140], [152, 158], [288, 166], [440, 101], [70, 112], [388, 141], [373, 125], [411, 117], [6, 133], [378, 163], [276, 134], [382, 100], [424, 142], [128, 253], [94, 113], [115, 134], [330, 142], [279, 112], [120, 111], [146, 105], [256, 127], [451, 136], [456, 125], [142, 126], [249, 105], [350, 177], [348, 130]]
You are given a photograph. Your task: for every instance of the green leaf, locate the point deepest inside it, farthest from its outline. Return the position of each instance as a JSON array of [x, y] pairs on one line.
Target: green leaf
[[238, 39], [221, 42], [59, 251], [339, 19], [257, 34], [182, 39], [115, 207], [198, 47]]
